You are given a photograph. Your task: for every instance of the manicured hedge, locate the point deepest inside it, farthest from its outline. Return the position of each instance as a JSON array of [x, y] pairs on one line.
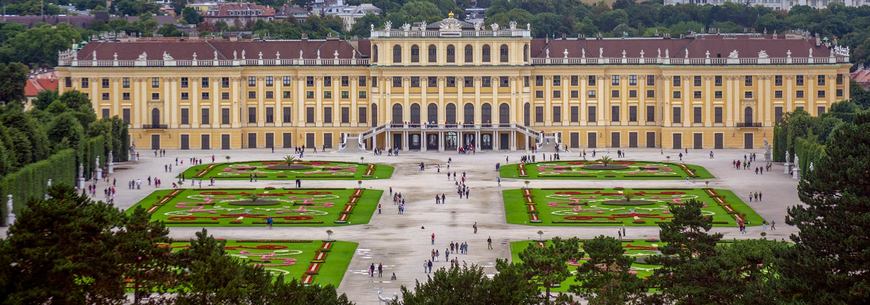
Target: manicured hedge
[[29, 182], [94, 147]]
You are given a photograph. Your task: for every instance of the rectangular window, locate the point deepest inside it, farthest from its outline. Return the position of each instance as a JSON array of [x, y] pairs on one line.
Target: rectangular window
[[696, 81], [590, 80], [821, 80], [614, 80], [747, 94], [309, 115], [557, 114], [777, 80], [225, 95], [696, 95], [185, 116], [539, 80], [269, 81], [415, 82], [252, 81], [327, 115], [747, 80], [105, 96], [632, 93], [184, 96], [184, 82], [67, 81], [821, 93], [252, 94], [677, 81], [777, 94], [575, 114], [799, 80], [575, 80], [575, 94], [632, 80], [327, 81], [225, 82], [650, 113], [677, 94], [361, 115], [374, 81], [155, 96], [309, 81], [468, 81], [591, 93], [717, 80], [696, 115], [539, 114], [557, 80], [432, 81], [345, 94], [345, 115], [225, 116], [614, 113], [799, 94], [717, 94], [361, 94], [557, 94], [504, 81], [287, 115], [650, 94], [205, 119], [285, 80], [717, 115], [614, 93], [270, 95], [345, 81], [820, 110], [486, 82], [286, 94], [839, 79], [125, 115], [591, 115], [125, 82], [650, 80], [105, 83], [839, 92], [270, 115], [85, 82], [451, 81], [252, 115], [205, 95], [632, 113], [677, 115], [203, 82], [777, 114], [155, 82], [539, 93], [105, 113], [309, 94], [397, 81]]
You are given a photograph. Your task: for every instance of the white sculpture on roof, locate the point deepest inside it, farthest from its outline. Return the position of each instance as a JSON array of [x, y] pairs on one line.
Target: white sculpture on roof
[[318, 53], [335, 54], [641, 53], [707, 54], [565, 53], [143, 56], [406, 27], [762, 54], [235, 55], [388, 26], [512, 25], [548, 52], [494, 27], [94, 54], [600, 52], [583, 52], [243, 54], [300, 53], [686, 54], [734, 54], [115, 56], [215, 55], [477, 26], [623, 53], [260, 55], [667, 53], [811, 53], [166, 56], [659, 53], [194, 55], [788, 53]]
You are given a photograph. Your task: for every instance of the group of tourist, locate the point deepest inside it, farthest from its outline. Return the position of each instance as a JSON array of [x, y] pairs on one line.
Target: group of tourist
[[399, 201], [754, 195]]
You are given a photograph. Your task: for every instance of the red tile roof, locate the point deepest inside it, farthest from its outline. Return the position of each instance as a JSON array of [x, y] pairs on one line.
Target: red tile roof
[[718, 45], [205, 49], [35, 85]]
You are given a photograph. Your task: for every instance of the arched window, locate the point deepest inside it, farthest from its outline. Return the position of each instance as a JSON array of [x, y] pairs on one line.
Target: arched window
[[451, 53], [747, 115], [451, 113], [415, 54], [527, 112], [155, 117], [397, 113], [503, 53], [432, 113], [468, 111], [433, 53], [526, 53], [397, 54], [486, 114], [374, 115], [375, 53], [487, 53], [415, 113], [469, 53], [504, 115]]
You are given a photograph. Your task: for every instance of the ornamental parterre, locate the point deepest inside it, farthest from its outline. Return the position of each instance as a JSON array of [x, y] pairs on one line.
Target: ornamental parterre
[[282, 170], [615, 170]]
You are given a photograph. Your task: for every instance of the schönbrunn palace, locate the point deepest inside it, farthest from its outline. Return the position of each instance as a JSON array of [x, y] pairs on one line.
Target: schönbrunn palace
[[452, 83]]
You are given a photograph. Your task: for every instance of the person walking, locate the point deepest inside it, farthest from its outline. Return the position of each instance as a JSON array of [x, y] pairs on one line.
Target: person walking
[[489, 242], [372, 270], [433, 238], [475, 227], [380, 270]]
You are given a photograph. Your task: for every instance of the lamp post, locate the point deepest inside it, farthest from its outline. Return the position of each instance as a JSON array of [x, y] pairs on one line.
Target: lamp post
[[540, 235], [329, 235]]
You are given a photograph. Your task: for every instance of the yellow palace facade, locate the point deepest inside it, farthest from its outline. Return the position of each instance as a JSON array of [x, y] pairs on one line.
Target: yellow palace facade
[[450, 84]]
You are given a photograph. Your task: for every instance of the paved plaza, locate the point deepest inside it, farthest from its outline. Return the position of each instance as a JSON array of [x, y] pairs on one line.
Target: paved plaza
[[402, 242]]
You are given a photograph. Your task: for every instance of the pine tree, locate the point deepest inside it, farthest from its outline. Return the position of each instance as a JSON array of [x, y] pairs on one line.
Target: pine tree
[[606, 278], [830, 262], [547, 265]]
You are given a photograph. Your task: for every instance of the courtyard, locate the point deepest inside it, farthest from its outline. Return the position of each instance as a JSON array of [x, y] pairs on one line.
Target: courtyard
[[402, 242]]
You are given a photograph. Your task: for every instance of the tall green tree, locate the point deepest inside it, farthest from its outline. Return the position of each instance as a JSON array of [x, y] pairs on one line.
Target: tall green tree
[[146, 259], [830, 259], [470, 285], [13, 77], [547, 265], [606, 278]]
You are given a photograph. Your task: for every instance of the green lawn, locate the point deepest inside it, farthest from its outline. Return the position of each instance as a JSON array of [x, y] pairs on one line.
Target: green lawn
[[294, 258], [280, 170], [609, 207], [251, 207], [623, 170], [639, 249]]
